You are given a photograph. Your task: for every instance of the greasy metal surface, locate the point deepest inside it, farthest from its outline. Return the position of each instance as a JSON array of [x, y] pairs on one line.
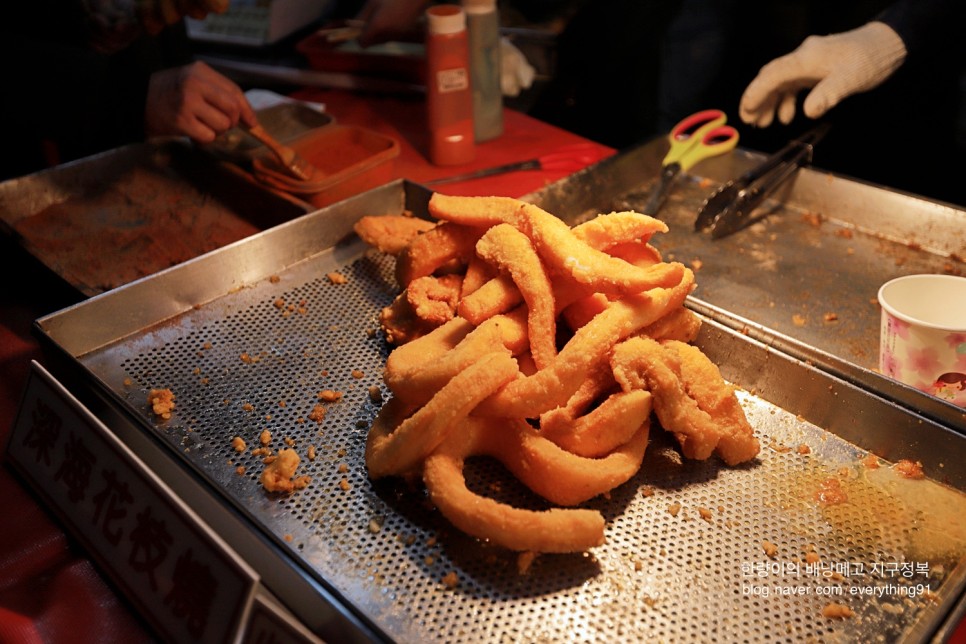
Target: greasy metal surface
[[810, 270], [255, 357], [109, 219]]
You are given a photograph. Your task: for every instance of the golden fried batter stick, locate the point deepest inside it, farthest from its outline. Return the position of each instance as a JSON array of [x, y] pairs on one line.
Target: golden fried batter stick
[[509, 250], [474, 211], [703, 382], [564, 253], [603, 429], [548, 470], [397, 445], [390, 234], [416, 371], [438, 247], [617, 228], [643, 363], [551, 387], [553, 530]]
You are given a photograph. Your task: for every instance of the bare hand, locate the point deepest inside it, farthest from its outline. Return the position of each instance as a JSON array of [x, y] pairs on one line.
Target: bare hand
[[194, 101]]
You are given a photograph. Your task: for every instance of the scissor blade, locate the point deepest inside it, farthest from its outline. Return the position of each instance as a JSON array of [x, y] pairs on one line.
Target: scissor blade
[[656, 200]]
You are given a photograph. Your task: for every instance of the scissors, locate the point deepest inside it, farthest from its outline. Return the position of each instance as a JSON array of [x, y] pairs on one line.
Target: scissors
[[697, 137]]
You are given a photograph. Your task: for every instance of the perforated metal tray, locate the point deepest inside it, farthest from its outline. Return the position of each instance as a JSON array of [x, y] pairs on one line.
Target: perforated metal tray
[[247, 336]]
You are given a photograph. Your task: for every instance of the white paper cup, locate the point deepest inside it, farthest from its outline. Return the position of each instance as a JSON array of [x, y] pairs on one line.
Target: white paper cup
[[922, 340]]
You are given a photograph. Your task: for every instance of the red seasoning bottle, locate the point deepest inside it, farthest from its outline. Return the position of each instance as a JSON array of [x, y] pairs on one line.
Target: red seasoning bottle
[[449, 98]]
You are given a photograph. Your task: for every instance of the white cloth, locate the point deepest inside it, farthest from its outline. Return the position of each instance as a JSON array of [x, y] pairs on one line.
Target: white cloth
[[516, 73], [834, 67]]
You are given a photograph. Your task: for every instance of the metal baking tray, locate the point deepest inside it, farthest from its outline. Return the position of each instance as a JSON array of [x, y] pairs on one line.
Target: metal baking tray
[[118, 216], [246, 336]]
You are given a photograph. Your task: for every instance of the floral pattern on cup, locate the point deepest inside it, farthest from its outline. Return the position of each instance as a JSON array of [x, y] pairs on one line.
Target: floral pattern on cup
[[911, 355]]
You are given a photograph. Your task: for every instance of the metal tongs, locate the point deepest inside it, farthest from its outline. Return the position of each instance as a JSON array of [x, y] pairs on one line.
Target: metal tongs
[[729, 209]]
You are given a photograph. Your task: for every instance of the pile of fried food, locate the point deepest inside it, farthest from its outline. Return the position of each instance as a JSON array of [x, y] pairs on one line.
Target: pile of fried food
[[547, 347]]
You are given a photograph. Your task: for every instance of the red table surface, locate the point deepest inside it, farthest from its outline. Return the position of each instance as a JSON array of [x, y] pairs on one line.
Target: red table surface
[[50, 590]]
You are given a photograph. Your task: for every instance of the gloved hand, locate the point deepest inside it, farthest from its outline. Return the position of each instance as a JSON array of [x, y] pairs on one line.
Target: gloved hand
[[516, 72], [835, 66]]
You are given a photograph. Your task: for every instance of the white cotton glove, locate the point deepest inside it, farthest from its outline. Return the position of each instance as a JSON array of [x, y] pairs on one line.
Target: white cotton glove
[[516, 73], [836, 66]]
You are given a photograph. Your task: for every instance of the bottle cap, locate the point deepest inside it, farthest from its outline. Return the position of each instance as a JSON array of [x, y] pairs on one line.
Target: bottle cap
[[479, 6], [445, 19]]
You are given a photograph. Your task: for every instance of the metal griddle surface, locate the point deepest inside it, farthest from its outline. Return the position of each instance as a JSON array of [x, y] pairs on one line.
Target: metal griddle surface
[[685, 552]]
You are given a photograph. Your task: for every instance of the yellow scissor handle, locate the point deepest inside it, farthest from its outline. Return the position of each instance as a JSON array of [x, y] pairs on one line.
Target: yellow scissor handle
[[699, 136]]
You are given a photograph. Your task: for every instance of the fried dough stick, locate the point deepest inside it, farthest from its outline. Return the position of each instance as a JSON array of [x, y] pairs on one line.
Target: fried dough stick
[[606, 231], [703, 381], [515, 444], [396, 445], [445, 244], [474, 211], [643, 363], [416, 371], [551, 387], [603, 429], [390, 234], [509, 250], [565, 253]]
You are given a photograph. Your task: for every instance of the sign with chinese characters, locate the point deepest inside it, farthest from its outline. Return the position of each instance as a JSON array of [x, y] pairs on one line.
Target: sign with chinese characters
[[181, 576]]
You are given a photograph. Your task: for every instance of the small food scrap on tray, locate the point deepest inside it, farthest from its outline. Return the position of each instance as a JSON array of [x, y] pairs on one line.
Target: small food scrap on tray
[[909, 469], [550, 347], [161, 402], [279, 475], [835, 610]]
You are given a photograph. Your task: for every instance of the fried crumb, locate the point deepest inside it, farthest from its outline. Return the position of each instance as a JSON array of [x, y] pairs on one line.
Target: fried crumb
[[161, 402], [871, 461], [706, 514], [696, 265], [909, 469], [288, 440], [375, 394], [317, 414], [344, 484], [238, 444], [673, 509], [830, 317], [524, 561], [279, 303], [647, 490], [343, 468], [804, 449], [274, 279], [357, 374], [830, 492], [812, 557], [265, 437], [451, 580], [798, 320], [330, 396], [279, 475], [374, 526], [310, 453], [778, 447], [337, 278], [248, 407], [837, 611], [771, 549], [812, 219]]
